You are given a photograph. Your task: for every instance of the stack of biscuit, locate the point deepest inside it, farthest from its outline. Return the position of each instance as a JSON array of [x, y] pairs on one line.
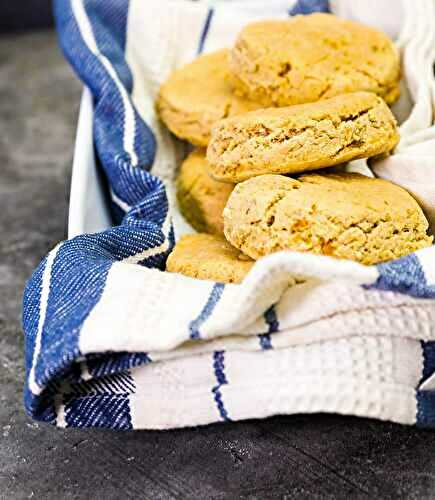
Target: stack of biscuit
[[292, 96]]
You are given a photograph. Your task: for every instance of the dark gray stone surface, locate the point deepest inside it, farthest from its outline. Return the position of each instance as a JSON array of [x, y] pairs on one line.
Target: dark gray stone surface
[[321, 456], [25, 15]]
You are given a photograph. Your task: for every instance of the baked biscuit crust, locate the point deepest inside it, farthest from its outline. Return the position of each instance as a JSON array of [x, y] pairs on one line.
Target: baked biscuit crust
[[312, 57], [201, 199], [347, 216], [302, 137], [208, 257], [197, 95]]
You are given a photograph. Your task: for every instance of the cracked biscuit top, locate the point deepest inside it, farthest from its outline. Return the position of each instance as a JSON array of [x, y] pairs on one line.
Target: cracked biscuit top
[[302, 137], [307, 58], [198, 94], [347, 216]]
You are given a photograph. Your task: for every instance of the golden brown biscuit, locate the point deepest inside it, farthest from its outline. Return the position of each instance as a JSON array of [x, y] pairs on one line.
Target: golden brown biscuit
[[197, 95], [208, 257], [201, 198], [348, 216], [307, 58], [302, 137]]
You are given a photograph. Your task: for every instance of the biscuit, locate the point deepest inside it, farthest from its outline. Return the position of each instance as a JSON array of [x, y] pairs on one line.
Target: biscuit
[[208, 257], [197, 95], [348, 216], [301, 137], [201, 199], [307, 58]]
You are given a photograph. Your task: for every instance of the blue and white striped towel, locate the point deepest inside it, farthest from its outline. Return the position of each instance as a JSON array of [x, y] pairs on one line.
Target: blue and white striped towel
[[112, 341]]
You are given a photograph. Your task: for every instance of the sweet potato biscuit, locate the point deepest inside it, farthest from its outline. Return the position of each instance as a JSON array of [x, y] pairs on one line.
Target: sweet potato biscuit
[[197, 95], [302, 137], [307, 58], [201, 199], [208, 257], [347, 216]]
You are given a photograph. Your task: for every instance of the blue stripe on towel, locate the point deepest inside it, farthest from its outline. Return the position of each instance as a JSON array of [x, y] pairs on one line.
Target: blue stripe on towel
[[265, 341], [115, 384], [426, 408], [404, 275], [66, 310], [114, 14], [109, 105], [100, 402], [309, 6], [211, 303], [219, 371], [426, 399], [106, 364], [105, 411], [272, 321], [205, 30], [428, 360]]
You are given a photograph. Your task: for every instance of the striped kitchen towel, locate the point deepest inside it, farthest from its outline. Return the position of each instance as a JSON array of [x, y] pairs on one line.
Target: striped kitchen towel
[[114, 341]]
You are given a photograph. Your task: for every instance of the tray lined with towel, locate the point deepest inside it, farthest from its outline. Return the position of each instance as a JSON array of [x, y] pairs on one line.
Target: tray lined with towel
[[114, 341]]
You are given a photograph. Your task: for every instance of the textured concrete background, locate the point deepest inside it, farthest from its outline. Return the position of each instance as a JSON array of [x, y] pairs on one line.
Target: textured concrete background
[[319, 456]]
